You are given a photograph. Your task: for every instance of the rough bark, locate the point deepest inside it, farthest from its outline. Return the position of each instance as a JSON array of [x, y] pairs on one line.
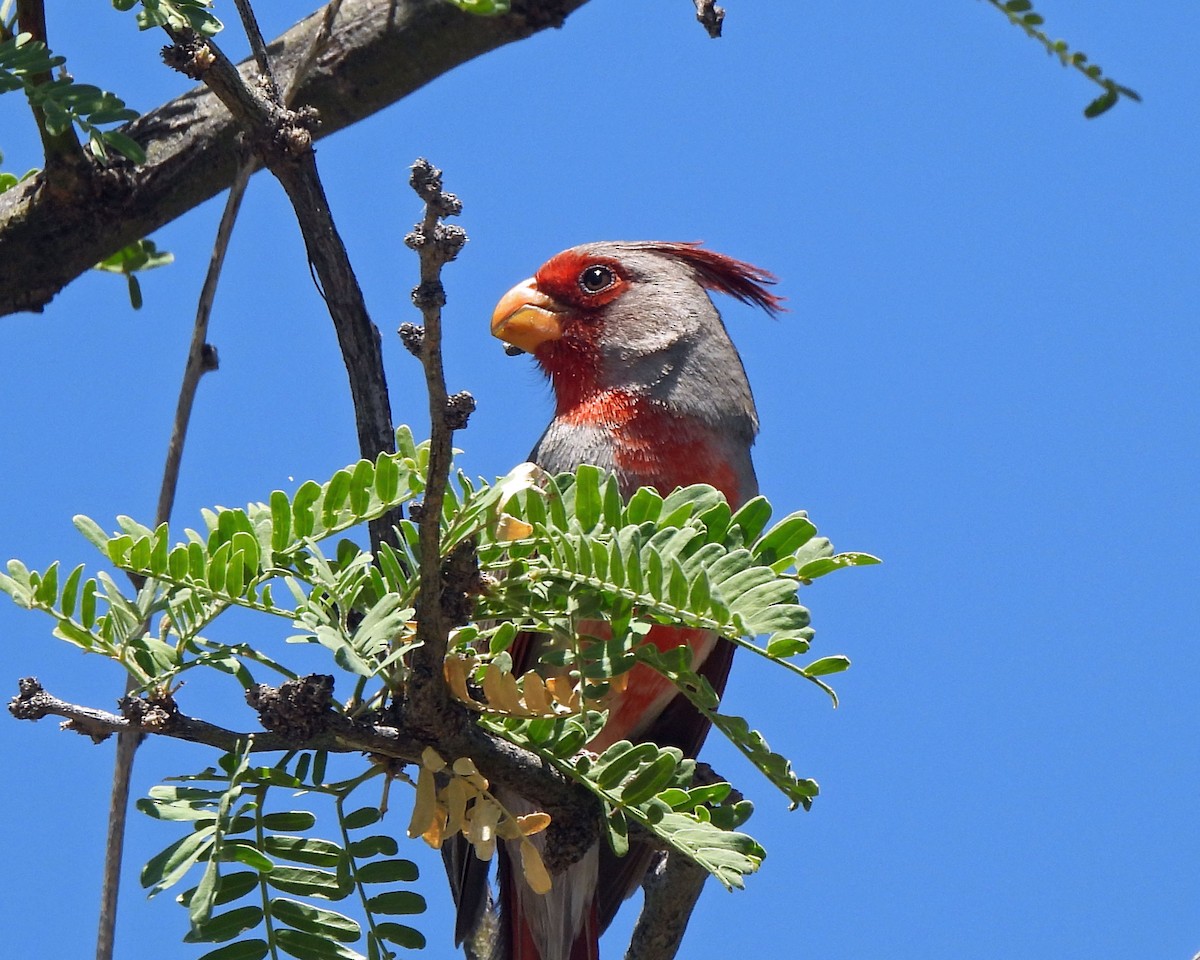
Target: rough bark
[[51, 231]]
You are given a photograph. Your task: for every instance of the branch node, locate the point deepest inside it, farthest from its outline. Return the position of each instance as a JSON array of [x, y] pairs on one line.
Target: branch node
[[209, 361], [299, 710], [294, 135], [31, 700], [459, 407], [412, 336], [190, 55], [429, 295], [710, 16], [154, 714], [461, 582], [426, 180]]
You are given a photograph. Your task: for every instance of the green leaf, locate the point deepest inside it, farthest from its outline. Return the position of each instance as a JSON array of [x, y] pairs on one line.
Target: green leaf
[[362, 817], [230, 887], [1102, 104], [397, 902], [387, 871], [823, 565], [315, 920], [167, 868], [289, 820], [484, 8], [401, 935], [652, 777], [378, 845], [619, 761], [242, 950], [308, 946], [225, 926], [826, 666], [318, 853], [125, 145], [309, 882]]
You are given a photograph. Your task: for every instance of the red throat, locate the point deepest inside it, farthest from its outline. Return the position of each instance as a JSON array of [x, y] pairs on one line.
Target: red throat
[[652, 446]]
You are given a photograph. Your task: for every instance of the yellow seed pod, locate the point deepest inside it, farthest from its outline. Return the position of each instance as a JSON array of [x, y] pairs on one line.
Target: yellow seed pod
[[564, 691], [512, 695], [534, 869], [478, 781], [507, 829], [454, 796], [432, 761], [531, 823], [425, 805], [485, 815], [492, 690], [463, 767], [536, 697], [509, 527], [456, 670], [437, 829]]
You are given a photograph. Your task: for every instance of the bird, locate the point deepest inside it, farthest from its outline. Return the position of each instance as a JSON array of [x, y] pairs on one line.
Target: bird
[[648, 386]]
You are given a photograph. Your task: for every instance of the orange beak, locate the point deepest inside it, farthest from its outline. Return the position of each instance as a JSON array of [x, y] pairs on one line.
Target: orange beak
[[526, 317]]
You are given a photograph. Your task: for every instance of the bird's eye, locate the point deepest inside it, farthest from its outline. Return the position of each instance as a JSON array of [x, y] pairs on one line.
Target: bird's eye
[[596, 278]]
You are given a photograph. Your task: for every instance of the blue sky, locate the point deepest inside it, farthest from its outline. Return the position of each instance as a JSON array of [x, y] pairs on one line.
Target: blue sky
[[987, 377]]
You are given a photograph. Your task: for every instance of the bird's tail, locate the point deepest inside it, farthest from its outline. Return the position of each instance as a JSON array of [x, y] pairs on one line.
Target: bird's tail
[[562, 924]]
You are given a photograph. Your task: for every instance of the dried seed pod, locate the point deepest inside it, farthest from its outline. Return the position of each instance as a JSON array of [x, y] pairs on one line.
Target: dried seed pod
[[509, 527], [485, 815], [534, 869], [432, 761], [455, 795], [457, 670], [500, 688], [425, 805], [565, 692], [536, 697], [531, 823], [437, 829]]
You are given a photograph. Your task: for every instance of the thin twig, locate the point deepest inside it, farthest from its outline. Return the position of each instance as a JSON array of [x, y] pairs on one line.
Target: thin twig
[[258, 46], [201, 357], [498, 760], [436, 244], [200, 360], [62, 150], [319, 42], [283, 138]]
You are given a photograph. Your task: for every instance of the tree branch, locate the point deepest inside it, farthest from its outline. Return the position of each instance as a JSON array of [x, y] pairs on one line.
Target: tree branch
[[283, 138], [672, 885], [498, 760], [62, 151], [381, 51], [436, 244]]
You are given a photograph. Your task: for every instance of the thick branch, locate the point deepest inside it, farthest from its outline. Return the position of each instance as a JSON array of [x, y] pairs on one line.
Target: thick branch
[[380, 51]]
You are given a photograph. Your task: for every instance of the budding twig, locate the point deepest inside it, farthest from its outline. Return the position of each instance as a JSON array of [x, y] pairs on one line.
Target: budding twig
[[436, 244]]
